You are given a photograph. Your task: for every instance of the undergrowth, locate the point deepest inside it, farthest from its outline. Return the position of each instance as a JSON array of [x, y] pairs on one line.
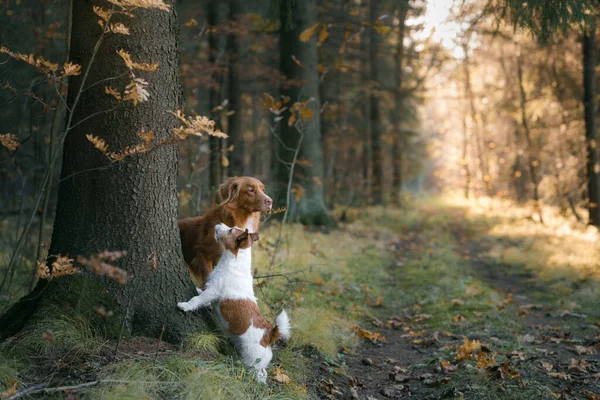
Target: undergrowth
[[387, 262]]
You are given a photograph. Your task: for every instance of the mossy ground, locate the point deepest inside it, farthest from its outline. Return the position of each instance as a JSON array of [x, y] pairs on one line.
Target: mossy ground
[[425, 277]]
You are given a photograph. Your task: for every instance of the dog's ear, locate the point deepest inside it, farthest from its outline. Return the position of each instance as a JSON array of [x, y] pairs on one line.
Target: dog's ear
[[254, 236], [239, 241], [229, 190]]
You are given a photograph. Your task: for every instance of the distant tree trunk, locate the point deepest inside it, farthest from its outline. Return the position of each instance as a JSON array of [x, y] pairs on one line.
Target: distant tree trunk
[[477, 124], [374, 111], [215, 172], [399, 141], [532, 160], [591, 136], [365, 123], [310, 209], [234, 125], [129, 205], [465, 154]]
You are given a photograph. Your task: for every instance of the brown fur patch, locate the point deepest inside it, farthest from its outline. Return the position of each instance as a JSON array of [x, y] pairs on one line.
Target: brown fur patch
[[240, 314], [200, 249]]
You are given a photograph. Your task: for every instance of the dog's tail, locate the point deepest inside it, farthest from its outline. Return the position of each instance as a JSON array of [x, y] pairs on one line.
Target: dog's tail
[[282, 328]]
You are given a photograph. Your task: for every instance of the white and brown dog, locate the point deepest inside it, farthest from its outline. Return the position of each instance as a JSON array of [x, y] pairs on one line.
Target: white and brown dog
[[230, 283]]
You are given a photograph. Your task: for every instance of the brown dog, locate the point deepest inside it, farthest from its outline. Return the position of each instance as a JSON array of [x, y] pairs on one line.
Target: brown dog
[[242, 201]]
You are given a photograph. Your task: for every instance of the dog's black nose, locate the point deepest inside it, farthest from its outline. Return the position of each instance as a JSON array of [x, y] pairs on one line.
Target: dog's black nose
[[268, 202]]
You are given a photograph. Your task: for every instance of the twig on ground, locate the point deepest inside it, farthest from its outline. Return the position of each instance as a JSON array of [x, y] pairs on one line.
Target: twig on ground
[[43, 388]]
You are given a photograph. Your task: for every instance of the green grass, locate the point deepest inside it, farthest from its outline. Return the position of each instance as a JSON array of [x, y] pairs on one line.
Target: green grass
[[386, 262]]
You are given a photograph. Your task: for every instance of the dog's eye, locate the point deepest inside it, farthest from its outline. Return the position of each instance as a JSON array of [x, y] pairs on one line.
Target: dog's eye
[[251, 189]]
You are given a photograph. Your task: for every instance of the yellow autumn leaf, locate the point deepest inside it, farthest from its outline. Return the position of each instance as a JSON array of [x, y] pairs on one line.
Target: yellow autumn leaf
[[306, 113], [118, 28], [468, 348], [224, 161], [191, 22], [71, 69], [323, 34], [146, 136], [484, 361], [381, 29], [292, 119], [280, 376], [9, 141], [308, 33], [184, 197], [97, 142], [374, 336]]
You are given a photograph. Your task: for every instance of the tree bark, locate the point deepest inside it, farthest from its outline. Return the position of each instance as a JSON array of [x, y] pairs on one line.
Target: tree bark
[[130, 205], [591, 135], [234, 125], [310, 209], [214, 143], [374, 112]]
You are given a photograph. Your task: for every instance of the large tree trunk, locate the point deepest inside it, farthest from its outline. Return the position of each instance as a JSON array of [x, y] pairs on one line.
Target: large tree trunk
[[310, 209], [374, 112], [591, 136], [399, 140], [234, 125], [130, 205]]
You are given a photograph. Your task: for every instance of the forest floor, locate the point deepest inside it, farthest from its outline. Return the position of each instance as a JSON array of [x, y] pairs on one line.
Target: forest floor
[[440, 299], [482, 303]]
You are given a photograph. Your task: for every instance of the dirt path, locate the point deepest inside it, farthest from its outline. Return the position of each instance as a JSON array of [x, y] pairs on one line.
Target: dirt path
[[519, 346]]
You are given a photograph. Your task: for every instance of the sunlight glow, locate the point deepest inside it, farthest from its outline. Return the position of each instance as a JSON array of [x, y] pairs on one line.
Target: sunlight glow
[[438, 24]]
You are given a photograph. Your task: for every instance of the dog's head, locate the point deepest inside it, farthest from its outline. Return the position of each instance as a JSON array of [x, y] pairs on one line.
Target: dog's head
[[246, 193], [234, 239]]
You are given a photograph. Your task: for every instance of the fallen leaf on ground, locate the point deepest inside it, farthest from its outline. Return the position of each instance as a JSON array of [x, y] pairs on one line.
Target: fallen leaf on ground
[[457, 302], [547, 366], [447, 366], [508, 299], [528, 338], [591, 396], [280, 376], [580, 364], [585, 350], [503, 371], [374, 336], [517, 354], [485, 361], [560, 375], [472, 290], [10, 391], [467, 349], [567, 313], [458, 318], [377, 302]]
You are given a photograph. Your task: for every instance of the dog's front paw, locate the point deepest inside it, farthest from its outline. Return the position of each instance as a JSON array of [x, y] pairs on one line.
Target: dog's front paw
[[185, 306]]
